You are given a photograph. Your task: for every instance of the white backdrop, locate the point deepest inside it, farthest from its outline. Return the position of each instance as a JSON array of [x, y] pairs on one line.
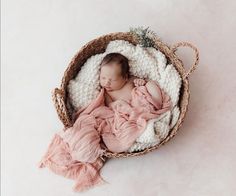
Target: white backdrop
[[39, 38]]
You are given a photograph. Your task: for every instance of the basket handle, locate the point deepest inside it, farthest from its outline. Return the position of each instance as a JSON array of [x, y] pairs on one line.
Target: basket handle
[[196, 60], [58, 99]]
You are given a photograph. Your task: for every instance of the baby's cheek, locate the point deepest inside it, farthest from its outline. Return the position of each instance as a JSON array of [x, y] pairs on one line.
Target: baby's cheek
[[101, 83], [115, 83]]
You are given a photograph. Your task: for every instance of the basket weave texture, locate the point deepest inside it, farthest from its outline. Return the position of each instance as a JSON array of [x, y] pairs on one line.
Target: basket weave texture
[[60, 95]]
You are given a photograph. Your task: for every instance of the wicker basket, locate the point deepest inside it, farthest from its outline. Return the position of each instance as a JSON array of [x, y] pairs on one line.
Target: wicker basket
[[65, 109]]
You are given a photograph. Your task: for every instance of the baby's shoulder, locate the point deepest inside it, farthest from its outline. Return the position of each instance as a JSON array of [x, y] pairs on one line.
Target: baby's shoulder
[[130, 84]]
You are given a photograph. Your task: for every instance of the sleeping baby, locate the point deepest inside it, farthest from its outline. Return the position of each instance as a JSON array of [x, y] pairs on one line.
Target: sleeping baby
[[116, 80], [112, 121]]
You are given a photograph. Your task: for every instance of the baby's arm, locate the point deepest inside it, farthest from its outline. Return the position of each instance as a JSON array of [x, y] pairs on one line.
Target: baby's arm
[[152, 87], [154, 91]]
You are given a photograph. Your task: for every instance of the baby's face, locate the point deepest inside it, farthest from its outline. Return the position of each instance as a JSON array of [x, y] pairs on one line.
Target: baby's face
[[111, 78]]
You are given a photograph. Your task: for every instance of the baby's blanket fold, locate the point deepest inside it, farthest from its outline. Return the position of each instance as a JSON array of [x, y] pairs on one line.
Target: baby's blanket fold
[[75, 153]]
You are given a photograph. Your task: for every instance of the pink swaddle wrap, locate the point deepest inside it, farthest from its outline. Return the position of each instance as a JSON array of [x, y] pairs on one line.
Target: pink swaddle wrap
[[75, 153]]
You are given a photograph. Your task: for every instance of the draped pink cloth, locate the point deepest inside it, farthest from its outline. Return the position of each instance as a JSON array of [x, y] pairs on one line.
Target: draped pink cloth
[[75, 153]]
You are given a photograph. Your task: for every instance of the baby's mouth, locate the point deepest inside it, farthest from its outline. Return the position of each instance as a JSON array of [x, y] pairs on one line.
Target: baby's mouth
[[108, 88]]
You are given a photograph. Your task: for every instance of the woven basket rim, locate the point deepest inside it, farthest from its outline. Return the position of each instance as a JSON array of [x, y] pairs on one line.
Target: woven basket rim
[[61, 100]]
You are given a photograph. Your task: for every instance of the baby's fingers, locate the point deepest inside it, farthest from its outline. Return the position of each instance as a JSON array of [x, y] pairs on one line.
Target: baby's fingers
[[136, 84], [143, 82], [139, 82]]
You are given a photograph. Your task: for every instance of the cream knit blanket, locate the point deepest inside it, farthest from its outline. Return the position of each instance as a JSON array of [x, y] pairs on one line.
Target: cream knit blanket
[[144, 63]]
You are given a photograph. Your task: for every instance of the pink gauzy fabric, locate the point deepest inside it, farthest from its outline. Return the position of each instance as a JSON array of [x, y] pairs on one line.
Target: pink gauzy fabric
[[75, 153]]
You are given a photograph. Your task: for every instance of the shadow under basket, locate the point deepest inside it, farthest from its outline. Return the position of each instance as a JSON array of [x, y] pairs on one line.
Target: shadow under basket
[[65, 110]]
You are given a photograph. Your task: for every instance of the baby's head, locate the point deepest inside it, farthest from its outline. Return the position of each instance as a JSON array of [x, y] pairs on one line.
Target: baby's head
[[114, 71]]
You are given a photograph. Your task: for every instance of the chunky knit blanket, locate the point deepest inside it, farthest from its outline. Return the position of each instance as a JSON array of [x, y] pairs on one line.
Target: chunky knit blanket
[[146, 63], [76, 152]]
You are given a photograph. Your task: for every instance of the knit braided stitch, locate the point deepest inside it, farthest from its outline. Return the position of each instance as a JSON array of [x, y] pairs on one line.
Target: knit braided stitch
[[144, 63]]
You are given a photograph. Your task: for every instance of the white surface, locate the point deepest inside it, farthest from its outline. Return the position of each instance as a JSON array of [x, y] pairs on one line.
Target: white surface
[[39, 38]]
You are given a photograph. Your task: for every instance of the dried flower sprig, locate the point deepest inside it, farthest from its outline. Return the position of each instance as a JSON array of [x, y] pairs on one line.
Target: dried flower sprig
[[145, 36]]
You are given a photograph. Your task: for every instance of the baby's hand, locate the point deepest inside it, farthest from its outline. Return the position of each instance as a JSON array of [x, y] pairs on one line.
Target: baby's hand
[[139, 82]]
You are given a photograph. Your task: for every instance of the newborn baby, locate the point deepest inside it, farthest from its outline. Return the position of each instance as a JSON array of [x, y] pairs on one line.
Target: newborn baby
[[118, 84], [112, 121]]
